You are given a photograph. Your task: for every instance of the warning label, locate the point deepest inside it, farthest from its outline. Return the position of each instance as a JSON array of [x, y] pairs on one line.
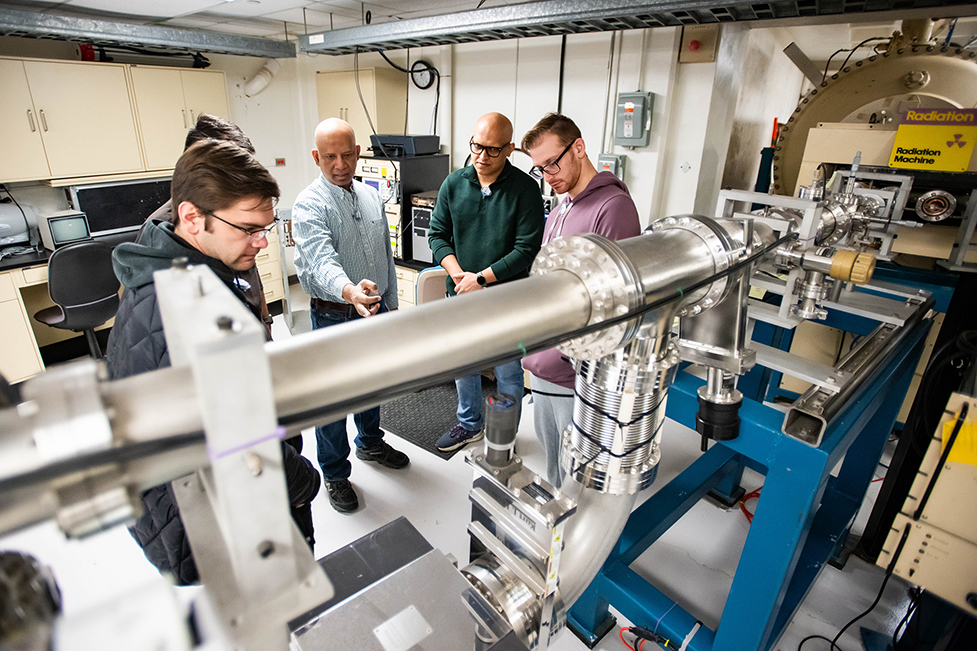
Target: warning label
[[937, 139]]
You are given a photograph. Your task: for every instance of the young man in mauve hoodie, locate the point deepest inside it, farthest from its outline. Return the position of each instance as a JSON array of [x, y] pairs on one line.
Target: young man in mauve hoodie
[[592, 203]]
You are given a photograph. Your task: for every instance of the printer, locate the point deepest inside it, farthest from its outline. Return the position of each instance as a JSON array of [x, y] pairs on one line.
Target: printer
[[399, 146], [17, 224]]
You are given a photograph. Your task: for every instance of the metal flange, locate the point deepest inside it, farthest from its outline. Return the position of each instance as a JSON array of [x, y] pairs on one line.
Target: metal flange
[[719, 246], [610, 281]]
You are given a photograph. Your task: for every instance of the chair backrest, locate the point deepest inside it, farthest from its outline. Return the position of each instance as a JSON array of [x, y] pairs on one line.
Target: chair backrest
[[430, 285], [81, 281]]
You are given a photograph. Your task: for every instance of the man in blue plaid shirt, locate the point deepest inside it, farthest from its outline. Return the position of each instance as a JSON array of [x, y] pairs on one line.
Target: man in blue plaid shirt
[[344, 262]]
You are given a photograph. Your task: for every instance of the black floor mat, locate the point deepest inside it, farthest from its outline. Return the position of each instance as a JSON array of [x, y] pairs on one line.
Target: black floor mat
[[423, 417]]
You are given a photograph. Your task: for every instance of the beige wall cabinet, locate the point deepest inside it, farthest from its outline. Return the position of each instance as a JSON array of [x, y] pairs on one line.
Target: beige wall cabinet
[[85, 117], [168, 102], [384, 91], [65, 119], [22, 154]]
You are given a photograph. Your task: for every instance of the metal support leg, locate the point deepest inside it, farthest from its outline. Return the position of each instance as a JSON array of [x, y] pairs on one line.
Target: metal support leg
[[781, 523], [863, 456], [728, 491]]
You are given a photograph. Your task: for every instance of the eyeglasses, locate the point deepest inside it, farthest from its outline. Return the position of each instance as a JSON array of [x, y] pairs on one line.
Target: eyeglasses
[[254, 234], [477, 149], [550, 168]]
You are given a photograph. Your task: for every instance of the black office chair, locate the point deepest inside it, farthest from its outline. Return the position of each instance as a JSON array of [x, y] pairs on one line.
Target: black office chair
[[82, 283]]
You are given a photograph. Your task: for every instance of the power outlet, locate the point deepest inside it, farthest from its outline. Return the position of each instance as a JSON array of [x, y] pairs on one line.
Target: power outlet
[[699, 44]]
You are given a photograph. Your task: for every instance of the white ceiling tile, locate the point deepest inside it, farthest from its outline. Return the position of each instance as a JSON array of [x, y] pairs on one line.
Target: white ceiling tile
[[336, 9], [253, 8], [297, 16]]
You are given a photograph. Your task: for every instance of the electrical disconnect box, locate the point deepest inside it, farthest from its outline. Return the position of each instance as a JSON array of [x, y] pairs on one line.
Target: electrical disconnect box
[[613, 163], [633, 124]]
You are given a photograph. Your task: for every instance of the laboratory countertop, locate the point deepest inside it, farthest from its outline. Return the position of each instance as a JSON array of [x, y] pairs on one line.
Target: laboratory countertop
[[416, 265], [26, 260]]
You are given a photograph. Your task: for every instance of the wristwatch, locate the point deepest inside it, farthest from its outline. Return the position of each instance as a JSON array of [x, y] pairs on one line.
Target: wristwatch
[[481, 280]]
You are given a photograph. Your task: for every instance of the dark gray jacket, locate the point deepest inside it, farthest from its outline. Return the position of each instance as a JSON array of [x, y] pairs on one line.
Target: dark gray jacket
[[137, 345]]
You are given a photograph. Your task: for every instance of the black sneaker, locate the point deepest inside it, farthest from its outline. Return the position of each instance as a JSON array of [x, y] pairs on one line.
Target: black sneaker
[[457, 437], [383, 454], [342, 496]]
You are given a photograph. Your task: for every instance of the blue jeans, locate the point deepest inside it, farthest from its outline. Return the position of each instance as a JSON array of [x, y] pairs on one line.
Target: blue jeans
[[508, 379], [332, 442]]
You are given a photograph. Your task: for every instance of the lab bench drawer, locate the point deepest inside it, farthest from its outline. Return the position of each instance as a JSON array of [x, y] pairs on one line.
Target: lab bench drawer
[[35, 275], [7, 290]]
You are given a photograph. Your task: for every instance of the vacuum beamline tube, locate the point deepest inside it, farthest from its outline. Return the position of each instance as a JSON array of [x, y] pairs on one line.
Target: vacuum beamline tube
[[327, 373]]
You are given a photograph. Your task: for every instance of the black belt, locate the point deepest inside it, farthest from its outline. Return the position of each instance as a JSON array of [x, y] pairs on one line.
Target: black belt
[[320, 304]]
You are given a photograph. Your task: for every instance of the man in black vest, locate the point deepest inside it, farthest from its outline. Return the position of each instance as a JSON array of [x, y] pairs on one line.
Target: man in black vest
[[223, 206]]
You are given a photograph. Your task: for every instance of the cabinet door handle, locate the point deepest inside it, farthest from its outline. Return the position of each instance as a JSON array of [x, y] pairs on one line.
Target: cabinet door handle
[[184, 111], [43, 119], [30, 118], [193, 120]]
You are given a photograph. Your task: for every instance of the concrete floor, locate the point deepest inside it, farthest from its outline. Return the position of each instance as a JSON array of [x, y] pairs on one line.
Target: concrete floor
[[693, 563]]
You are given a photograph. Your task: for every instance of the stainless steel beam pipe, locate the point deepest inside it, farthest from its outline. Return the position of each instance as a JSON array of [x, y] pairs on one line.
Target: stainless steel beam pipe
[[321, 376], [326, 374], [678, 256]]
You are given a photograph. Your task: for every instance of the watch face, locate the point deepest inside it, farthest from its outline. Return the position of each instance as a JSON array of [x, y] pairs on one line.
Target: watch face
[[481, 280], [421, 74]]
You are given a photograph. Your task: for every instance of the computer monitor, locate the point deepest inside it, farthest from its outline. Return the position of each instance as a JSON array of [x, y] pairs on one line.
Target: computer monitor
[[62, 228], [119, 207]]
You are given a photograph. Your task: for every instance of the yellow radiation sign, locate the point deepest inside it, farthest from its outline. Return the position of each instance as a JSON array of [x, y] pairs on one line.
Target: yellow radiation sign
[[935, 139]]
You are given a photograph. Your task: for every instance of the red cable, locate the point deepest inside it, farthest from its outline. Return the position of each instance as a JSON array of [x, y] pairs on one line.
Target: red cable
[[749, 496], [620, 634]]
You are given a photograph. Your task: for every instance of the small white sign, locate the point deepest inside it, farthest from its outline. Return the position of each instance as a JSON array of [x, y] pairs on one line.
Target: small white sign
[[316, 39], [403, 630]]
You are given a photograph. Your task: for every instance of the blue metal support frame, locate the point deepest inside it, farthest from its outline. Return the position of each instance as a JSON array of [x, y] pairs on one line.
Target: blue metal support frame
[[801, 520]]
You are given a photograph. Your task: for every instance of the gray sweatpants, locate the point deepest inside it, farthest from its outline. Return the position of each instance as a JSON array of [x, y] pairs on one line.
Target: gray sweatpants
[[552, 413]]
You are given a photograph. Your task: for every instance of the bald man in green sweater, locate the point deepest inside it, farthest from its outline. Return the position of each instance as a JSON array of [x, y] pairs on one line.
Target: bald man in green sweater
[[486, 229]]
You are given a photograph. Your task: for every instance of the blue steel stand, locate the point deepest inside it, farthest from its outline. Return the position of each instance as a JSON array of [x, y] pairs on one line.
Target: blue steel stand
[[801, 520]]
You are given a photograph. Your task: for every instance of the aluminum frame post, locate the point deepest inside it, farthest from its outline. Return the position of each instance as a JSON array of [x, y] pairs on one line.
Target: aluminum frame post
[[256, 564]]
